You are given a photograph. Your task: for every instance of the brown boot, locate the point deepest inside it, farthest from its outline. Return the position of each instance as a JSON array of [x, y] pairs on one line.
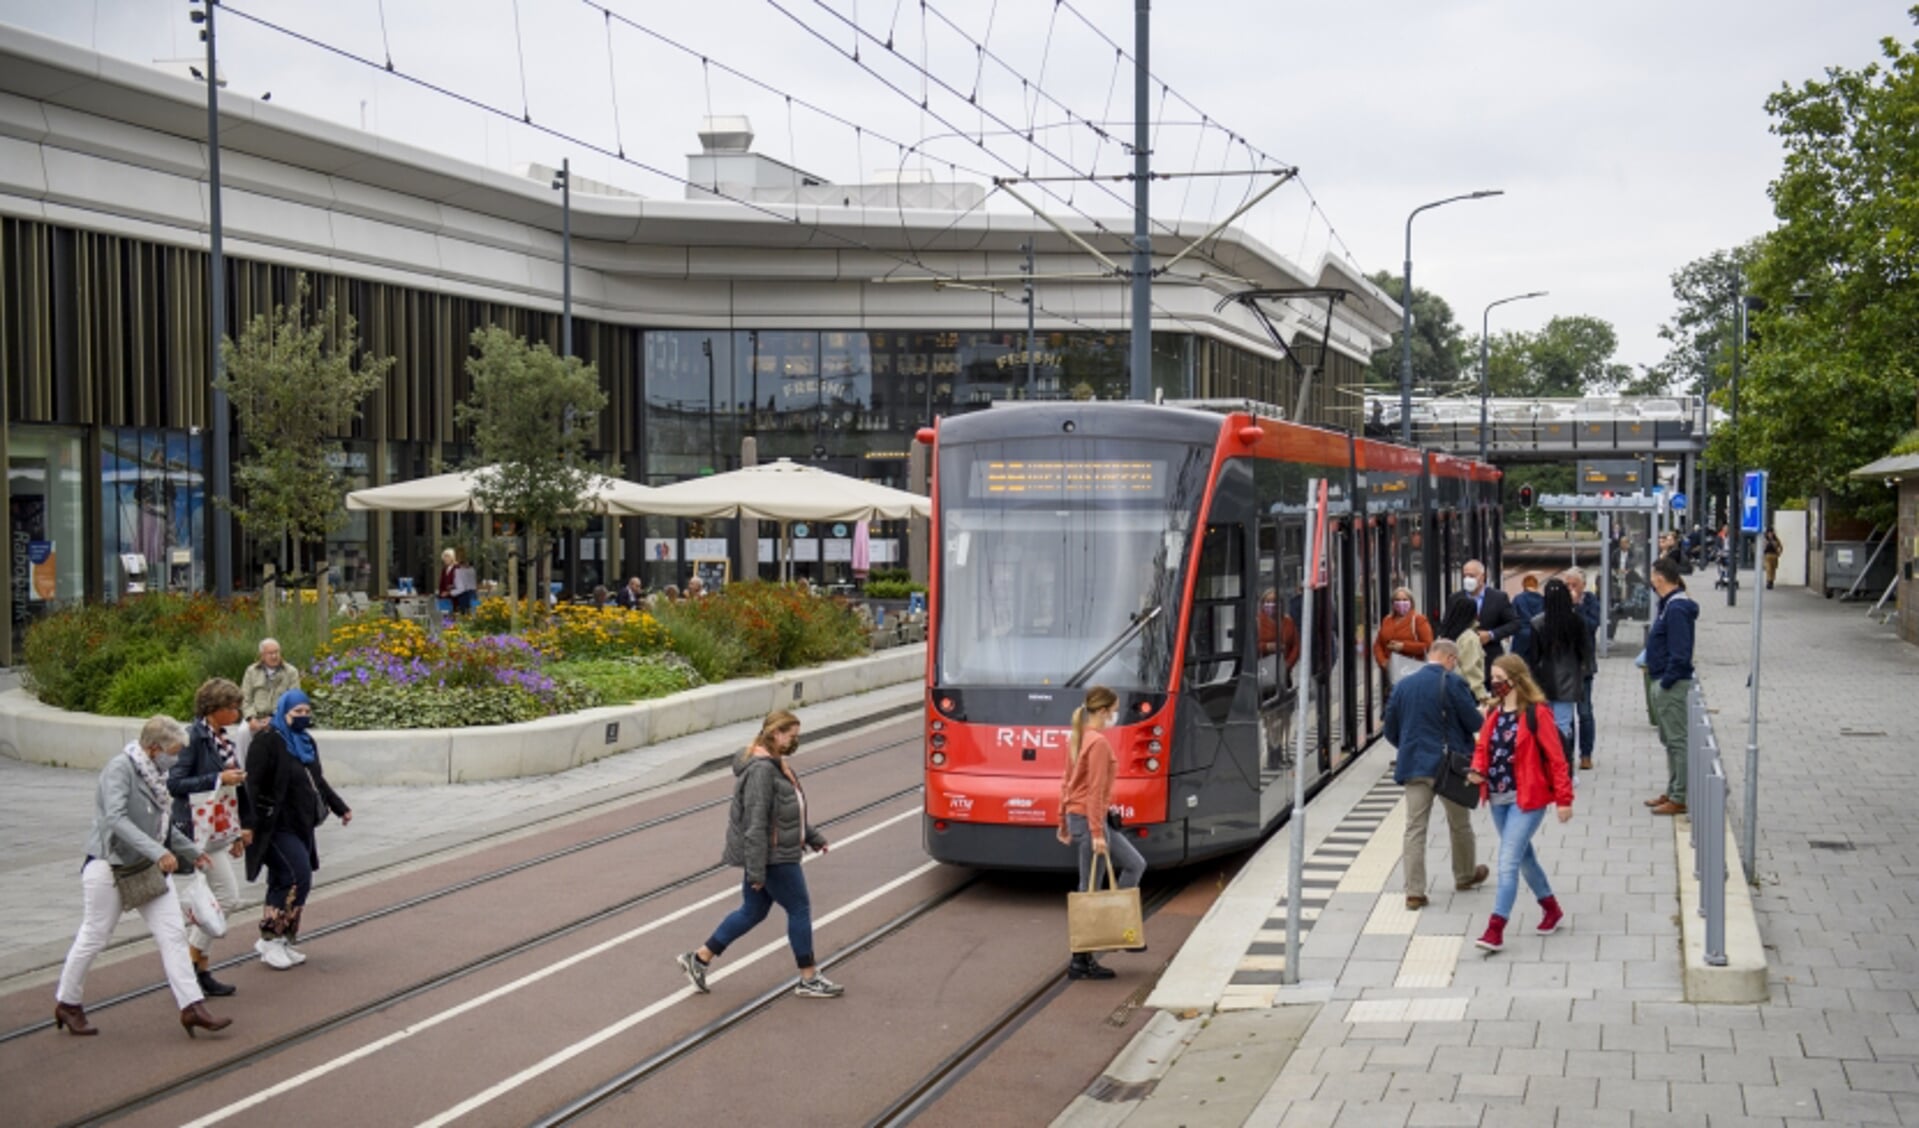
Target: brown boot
[[72, 1018], [1658, 801], [1480, 874], [197, 1016], [1669, 808]]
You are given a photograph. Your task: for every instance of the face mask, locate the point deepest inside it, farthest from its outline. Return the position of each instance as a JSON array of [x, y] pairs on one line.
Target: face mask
[[299, 724], [1501, 689], [1470, 584], [1402, 606], [165, 761]]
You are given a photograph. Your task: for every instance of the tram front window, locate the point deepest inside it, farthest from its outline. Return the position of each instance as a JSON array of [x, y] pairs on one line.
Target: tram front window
[[1054, 556]]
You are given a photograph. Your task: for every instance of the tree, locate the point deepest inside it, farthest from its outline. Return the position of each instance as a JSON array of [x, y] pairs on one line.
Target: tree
[[531, 412], [1439, 344], [1699, 336], [296, 385], [1832, 378], [1568, 356]]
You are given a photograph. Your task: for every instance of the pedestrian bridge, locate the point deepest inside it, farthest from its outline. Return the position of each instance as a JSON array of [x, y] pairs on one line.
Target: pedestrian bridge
[[1556, 429]]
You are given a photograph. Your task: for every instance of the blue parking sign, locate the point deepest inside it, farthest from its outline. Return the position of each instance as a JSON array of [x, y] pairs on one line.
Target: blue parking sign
[[1752, 511]]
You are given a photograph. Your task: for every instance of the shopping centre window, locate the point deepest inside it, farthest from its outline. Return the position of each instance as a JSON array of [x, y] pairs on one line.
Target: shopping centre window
[[46, 520]]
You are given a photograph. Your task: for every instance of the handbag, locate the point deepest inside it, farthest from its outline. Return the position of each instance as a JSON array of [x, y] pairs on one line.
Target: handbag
[[1450, 782], [1104, 920], [200, 906], [138, 883], [216, 816], [1399, 667]]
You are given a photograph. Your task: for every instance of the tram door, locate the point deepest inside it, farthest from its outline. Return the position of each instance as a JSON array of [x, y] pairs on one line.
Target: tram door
[[1366, 696], [1281, 551], [1221, 725], [1355, 635]]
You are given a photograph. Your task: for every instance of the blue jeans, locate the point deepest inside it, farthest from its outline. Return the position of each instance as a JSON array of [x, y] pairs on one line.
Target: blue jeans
[[1566, 720], [1586, 736], [786, 887], [1516, 856]]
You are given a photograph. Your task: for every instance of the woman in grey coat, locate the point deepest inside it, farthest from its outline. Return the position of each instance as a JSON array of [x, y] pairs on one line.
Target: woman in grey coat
[[133, 832], [766, 834]]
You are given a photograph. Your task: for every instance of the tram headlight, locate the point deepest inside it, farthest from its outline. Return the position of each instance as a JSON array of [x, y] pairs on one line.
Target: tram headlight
[[1159, 730], [1152, 763], [939, 758], [1153, 746], [939, 740], [938, 725]]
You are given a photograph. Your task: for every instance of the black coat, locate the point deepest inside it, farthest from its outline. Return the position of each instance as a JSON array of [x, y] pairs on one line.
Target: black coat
[[286, 795], [198, 769], [1496, 614]]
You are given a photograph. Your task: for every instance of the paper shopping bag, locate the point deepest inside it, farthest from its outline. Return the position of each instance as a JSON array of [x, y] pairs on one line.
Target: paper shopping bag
[[1104, 920]]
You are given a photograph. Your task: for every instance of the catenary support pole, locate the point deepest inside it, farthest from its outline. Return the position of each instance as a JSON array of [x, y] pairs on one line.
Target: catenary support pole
[[566, 259], [1296, 822], [220, 421], [1142, 339], [1732, 545], [1032, 337]]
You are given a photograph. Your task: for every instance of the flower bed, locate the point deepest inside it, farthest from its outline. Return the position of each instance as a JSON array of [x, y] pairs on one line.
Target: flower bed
[[147, 655]]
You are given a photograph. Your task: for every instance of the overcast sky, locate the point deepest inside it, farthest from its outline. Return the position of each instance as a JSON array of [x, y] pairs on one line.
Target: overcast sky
[[1630, 136]]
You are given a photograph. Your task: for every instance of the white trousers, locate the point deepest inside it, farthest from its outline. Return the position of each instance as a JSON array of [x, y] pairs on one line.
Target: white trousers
[[226, 890], [101, 913]]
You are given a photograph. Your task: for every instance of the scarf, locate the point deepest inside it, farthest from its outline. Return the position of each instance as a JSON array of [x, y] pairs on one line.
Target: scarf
[[300, 744], [149, 775], [229, 756]]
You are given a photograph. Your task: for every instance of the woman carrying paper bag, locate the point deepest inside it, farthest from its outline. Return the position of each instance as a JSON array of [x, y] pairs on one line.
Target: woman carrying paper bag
[[1086, 793]]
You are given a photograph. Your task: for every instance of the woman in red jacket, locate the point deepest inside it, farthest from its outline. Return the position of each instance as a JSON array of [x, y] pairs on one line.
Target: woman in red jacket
[[1520, 767]]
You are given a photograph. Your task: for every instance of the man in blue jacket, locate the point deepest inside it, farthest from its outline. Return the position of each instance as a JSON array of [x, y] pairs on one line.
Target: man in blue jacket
[[1669, 670], [1429, 714]]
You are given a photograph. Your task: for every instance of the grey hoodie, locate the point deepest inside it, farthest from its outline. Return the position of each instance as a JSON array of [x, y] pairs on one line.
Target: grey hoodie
[[765, 826]]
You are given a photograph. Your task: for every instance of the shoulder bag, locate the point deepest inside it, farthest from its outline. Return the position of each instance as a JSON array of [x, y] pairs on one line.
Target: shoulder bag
[[216, 816], [1451, 783], [1104, 920], [138, 883]]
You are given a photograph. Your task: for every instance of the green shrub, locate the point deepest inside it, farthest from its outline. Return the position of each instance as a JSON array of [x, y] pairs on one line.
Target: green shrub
[[144, 688], [892, 589], [227, 656], [389, 705], [619, 680], [702, 640]]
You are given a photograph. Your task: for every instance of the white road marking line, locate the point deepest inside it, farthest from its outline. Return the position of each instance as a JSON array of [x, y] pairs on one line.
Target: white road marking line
[[505, 989], [560, 1057]]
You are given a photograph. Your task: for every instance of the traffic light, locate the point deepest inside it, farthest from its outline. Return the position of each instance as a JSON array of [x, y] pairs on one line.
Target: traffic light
[[1526, 497]]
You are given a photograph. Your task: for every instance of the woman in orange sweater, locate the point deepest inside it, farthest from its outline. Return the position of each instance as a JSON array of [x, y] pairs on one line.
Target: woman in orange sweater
[[1085, 794], [1404, 632]]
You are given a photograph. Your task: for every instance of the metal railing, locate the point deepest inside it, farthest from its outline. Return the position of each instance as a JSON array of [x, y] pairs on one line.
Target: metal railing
[[1706, 792]]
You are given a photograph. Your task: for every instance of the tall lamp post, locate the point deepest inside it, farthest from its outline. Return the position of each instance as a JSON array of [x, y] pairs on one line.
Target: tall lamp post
[[218, 422], [1406, 312], [1485, 381]]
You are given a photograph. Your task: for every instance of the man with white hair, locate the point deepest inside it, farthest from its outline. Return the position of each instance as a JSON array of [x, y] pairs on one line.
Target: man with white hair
[[263, 684]]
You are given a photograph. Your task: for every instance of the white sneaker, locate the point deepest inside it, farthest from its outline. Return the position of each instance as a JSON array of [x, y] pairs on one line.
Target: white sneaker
[[296, 955], [274, 954]]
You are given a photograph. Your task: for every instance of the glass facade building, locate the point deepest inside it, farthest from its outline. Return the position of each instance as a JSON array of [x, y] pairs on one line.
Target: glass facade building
[[103, 370]]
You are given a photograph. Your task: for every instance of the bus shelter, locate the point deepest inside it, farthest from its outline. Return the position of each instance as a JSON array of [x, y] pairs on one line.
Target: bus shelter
[[1627, 526]]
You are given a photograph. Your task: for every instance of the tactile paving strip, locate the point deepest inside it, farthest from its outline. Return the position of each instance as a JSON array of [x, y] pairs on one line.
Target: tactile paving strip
[[1429, 961], [1263, 967]]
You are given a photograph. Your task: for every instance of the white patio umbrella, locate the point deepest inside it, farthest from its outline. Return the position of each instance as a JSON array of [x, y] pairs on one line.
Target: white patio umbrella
[[454, 493], [783, 491]]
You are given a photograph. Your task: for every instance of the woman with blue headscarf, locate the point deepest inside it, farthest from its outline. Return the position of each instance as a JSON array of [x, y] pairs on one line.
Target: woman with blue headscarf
[[289, 798]]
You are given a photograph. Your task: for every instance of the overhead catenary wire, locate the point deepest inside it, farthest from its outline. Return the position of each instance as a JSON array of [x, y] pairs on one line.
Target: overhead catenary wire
[[816, 229], [1166, 89]]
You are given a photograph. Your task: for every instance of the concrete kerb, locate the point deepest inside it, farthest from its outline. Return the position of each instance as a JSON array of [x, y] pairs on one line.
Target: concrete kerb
[[40, 734], [1196, 979], [1743, 979]]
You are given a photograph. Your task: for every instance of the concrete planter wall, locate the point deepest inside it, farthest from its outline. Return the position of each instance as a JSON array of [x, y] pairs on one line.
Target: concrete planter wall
[[41, 734]]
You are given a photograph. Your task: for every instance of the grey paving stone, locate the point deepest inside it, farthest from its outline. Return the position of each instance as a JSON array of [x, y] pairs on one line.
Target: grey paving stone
[[1704, 1098], [1780, 1100], [1505, 1033], [1632, 1094], [1599, 1063], [1492, 1088], [1445, 1114], [1533, 1063], [1852, 1106], [1673, 1065], [1563, 1093], [1371, 1115], [1882, 1077], [1353, 1086], [1743, 1068], [1809, 1072], [1414, 1087]]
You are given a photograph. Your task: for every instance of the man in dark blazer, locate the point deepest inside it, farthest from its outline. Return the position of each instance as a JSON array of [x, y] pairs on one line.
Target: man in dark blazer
[[1429, 714], [1497, 619]]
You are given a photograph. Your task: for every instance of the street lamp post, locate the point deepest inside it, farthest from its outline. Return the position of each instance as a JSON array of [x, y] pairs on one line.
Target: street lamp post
[[219, 413], [1485, 380], [1406, 312]]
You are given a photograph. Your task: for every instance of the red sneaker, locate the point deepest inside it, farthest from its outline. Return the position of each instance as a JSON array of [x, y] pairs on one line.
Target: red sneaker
[[1495, 938], [1549, 923]]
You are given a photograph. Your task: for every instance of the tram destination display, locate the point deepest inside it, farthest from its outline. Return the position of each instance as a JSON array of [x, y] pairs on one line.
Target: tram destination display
[[1064, 479]]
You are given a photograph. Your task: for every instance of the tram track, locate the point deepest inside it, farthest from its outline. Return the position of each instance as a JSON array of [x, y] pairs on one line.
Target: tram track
[[477, 881], [916, 1098], [312, 1030]]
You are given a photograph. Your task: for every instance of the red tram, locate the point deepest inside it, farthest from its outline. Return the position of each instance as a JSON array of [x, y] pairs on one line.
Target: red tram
[[1158, 550]]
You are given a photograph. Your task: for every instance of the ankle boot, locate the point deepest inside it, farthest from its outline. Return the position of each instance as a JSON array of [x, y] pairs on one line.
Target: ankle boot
[[1085, 966], [197, 1016], [1495, 938], [210, 987], [72, 1018], [1553, 914]]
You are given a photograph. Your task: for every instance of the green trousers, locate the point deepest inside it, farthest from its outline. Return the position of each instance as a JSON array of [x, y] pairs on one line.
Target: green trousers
[[1669, 712]]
